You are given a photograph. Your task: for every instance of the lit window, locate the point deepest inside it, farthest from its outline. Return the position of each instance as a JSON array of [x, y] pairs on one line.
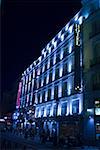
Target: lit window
[[62, 37], [66, 27], [76, 17], [64, 109], [75, 107], [49, 50], [48, 66], [61, 54], [43, 68], [69, 88], [53, 75], [41, 98], [69, 66], [45, 54], [70, 29], [46, 95], [59, 34], [80, 20], [54, 59], [47, 81], [36, 99], [60, 90], [59, 110], [61, 70], [52, 92], [70, 47]]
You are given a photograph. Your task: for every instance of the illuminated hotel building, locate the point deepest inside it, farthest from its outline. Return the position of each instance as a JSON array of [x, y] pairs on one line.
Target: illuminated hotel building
[[59, 83]]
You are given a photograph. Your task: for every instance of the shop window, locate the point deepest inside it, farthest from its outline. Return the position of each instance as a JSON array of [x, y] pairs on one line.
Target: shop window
[[75, 107]]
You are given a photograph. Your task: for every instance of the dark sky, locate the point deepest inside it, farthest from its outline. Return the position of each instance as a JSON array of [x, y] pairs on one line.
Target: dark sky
[[27, 26]]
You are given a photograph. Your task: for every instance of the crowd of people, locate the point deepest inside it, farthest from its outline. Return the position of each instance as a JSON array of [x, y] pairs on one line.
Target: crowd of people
[[44, 136]]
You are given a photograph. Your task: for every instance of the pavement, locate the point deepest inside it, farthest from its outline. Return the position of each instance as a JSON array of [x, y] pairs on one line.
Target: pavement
[[35, 144]]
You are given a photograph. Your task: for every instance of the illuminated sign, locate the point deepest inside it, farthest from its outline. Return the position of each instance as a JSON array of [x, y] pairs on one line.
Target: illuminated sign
[[97, 107], [77, 35], [19, 93]]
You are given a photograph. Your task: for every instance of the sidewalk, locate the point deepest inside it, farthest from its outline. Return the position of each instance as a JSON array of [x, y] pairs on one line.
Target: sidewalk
[[35, 144]]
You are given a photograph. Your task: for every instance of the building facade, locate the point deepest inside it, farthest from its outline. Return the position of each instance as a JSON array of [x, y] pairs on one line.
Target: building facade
[[59, 91]]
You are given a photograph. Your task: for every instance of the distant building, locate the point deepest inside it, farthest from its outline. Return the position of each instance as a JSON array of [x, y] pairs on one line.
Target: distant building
[[60, 91]]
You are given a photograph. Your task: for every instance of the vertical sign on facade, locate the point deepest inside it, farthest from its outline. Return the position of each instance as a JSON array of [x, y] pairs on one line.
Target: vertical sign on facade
[[77, 79], [18, 95]]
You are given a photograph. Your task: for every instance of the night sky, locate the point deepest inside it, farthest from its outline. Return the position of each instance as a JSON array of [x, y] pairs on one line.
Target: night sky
[[27, 26]]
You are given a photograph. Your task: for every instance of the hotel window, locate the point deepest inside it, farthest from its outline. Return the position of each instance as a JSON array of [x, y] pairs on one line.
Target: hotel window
[[38, 97], [60, 90], [56, 92], [45, 79], [43, 96], [65, 49], [26, 79], [53, 74], [64, 90], [54, 59], [30, 76], [61, 54], [37, 112], [50, 77], [54, 110], [65, 69], [48, 111], [43, 69], [57, 73], [46, 95], [37, 83], [38, 71], [33, 99], [61, 70], [51, 62], [42, 111], [52, 92], [42, 81], [33, 74], [64, 109], [75, 107], [49, 94], [58, 58], [48, 64]]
